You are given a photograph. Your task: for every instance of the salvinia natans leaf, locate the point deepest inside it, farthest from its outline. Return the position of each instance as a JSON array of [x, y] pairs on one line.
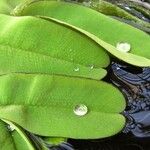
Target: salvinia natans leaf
[[6, 6], [105, 28], [13, 137], [47, 105], [32, 45]]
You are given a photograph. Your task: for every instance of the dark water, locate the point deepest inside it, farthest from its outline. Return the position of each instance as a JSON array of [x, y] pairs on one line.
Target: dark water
[[135, 84]]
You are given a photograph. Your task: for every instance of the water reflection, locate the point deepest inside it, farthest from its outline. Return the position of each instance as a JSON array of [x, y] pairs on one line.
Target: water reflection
[[136, 87]]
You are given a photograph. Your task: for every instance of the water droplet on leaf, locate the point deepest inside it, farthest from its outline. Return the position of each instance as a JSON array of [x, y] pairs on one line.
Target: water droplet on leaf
[[80, 110], [123, 47], [92, 66], [127, 8], [10, 128], [87, 4], [76, 69]]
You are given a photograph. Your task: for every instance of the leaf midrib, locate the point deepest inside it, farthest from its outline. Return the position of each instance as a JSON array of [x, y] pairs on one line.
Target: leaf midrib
[[40, 54]]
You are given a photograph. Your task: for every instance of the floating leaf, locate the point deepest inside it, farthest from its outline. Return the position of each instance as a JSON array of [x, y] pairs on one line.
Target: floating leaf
[[111, 9], [13, 140], [30, 45], [54, 140], [127, 57], [6, 6], [105, 28], [54, 100], [6, 141]]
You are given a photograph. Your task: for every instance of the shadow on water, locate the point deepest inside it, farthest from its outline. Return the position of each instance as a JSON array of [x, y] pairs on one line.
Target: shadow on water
[[135, 85]]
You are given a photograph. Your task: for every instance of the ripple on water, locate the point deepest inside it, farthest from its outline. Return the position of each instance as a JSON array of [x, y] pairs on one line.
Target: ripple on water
[[136, 88]]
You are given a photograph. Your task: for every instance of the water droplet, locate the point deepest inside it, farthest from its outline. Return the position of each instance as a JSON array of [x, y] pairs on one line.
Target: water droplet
[[119, 4], [88, 4], [127, 8], [10, 128], [76, 69], [92, 66], [143, 18], [117, 68], [123, 47], [80, 110]]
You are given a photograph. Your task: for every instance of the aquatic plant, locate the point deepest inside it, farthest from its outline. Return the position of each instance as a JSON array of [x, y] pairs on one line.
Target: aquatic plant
[[53, 57]]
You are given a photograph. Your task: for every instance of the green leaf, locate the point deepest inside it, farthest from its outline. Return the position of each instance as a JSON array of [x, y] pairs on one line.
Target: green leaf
[[31, 45], [127, 57], [6, 6], [13, 140], [111, 9], [6, 141], [105, 28], [54, 98], [54, 140]]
